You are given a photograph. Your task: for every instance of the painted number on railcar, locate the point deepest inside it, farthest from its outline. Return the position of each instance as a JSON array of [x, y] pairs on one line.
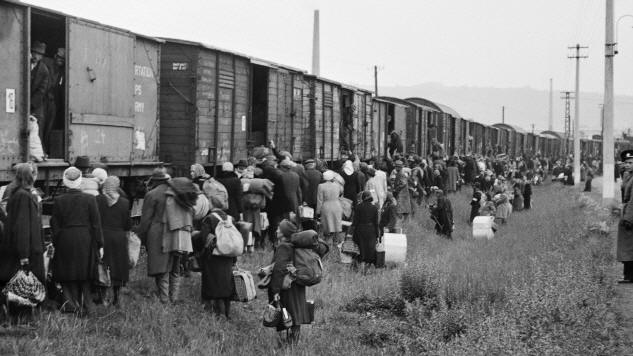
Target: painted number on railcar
[[143, 71], [179, 66]]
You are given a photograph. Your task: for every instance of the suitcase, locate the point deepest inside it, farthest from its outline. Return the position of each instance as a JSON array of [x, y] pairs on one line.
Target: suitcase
[[310, 307], [244, 286]]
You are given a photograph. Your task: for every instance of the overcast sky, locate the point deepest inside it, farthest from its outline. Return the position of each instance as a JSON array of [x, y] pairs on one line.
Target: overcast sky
[[498, 43]]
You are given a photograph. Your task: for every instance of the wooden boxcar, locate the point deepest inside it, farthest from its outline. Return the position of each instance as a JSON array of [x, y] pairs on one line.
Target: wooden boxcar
[[355, 124], [558, 143], [452, 122], [204, 105], [108, 104], [435, 120], [390, 114], [476, 131], [325, 111]]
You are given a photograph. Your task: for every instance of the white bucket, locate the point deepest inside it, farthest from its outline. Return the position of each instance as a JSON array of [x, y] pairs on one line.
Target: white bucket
[[395, 247], [482, 227]]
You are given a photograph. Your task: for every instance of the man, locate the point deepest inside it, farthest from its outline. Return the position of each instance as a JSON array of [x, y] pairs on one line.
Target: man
[[314, 178], [625, 227], [442, 214], [395, 145], [55, 96], [40, 79]]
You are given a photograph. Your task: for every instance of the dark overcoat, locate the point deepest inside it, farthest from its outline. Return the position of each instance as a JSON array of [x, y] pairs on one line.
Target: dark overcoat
[[115, 222], [77, 235], [233, 186], [217, 271], [366, 230], [443, 216], [291, 189], [40, 79], [22, 236], [314, 178], [293, 299], [151, 229], [625, 235], [276, 206]]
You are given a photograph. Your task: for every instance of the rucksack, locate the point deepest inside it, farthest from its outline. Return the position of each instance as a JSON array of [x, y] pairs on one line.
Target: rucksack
[[217, 193], [309, 267], [229, 241]]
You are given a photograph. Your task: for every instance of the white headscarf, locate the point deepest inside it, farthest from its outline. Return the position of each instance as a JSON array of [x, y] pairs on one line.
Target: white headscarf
[[348, 167], [72, 178]]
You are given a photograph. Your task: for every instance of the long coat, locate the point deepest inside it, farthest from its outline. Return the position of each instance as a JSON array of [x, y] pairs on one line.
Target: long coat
[[443, 216], [294, 299], [115, 222], [313, 178], [401, 190], [151, 229], [624, 249], [366, 230], [234, 187], [77, 234], [291, 189], [276, 206], [217, 271], [40, 78], [23, 236], [452, 177], [329, 206]]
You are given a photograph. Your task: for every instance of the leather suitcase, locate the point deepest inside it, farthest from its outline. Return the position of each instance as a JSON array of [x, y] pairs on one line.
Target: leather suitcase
[[244, 286]]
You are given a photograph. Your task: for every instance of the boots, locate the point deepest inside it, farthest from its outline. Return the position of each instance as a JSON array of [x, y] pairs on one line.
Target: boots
[[175, 281]]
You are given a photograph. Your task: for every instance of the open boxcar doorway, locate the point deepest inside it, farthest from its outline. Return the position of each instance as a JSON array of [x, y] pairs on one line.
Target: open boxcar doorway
[[260, 98]]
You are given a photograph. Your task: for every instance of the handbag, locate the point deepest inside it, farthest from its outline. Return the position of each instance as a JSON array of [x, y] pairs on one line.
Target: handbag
[[350, 247], [272, 315], [103, 275]]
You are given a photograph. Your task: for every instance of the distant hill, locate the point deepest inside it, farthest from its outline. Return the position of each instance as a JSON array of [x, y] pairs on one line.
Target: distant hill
[[523, 106]]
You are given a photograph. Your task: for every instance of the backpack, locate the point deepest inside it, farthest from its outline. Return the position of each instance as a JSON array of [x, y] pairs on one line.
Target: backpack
[[309, 267], [217, 193], [229, 241]]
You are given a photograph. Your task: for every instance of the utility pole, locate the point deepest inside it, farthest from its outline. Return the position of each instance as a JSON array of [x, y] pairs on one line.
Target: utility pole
[[532, 129], [376, 80], [608, 189], [503, 114], [567, 125], [550, 125], [316, 46], [577, 57]]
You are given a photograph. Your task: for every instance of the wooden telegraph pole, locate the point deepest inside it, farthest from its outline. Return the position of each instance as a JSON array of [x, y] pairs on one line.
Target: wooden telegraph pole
[[608, 188]]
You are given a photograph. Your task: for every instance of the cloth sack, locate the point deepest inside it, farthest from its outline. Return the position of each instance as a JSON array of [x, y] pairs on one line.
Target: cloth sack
[[229, 241], [24, 289], [36, 152], [346, 204], [272, 315], [133, 248], [216, 193], [309, 268]]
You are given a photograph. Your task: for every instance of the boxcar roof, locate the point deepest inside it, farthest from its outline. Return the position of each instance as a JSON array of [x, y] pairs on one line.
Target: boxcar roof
[[271, 64], [59, 13], [449, 110], [392, 100], [351, 87], [425, 102], [553, 134], [510, 127], [202, 45]]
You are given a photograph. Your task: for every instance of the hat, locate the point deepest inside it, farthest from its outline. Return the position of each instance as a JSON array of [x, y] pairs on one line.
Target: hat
[[38, 47], [398, 163], [61, 53], [309, 161], [242, 164], [287, 228], [82, 162], [227, 167], [328, 175], [285, 154], [286, 163], [626, 154], [72, 178], [100, 174], [159, 175]]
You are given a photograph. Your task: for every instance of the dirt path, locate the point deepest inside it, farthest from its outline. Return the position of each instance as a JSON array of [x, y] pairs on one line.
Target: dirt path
[[624, 292]]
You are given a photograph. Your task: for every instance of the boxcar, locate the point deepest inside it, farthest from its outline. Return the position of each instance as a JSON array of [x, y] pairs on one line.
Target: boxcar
[[453, 126], [429, 124], [204, 105], [476, 131], [325, 111], [518, 139], [390, 115], [108, 106], [557, 143]]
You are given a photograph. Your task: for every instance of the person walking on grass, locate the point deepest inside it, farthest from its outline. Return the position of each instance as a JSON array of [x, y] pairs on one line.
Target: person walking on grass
[[625, 227], [293, 298], [329, 206], [442, 214], [366, 229], [116, 223]]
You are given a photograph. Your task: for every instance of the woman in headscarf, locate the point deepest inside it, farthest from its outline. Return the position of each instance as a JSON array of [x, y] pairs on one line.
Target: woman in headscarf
[[233, 186], [352, 184], [329, 206], [366, 229], [23, 242], [217, 271], [78, 242], [198, 174], [442, 214], [116, 224], [401, 191], [294, 298]]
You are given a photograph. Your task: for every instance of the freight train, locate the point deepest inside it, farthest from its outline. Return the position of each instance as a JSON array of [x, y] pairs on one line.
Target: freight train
[[137, 102]]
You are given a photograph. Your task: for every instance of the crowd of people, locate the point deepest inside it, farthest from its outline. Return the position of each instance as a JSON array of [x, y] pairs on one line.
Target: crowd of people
[[273, 195]]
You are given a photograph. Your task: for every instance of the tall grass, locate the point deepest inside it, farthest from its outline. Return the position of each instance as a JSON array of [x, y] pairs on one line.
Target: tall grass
[[542, 286]]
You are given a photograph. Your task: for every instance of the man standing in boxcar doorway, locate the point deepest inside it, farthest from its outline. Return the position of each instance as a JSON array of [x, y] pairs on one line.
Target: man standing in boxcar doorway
[[40, 79], [625, 227], [55, 95]]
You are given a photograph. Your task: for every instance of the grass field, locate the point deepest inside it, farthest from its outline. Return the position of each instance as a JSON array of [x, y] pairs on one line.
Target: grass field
[[544, 285]]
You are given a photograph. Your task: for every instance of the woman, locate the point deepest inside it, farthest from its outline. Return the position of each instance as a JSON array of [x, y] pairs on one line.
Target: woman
[[352, 183], [504, 208], [366, 229], [198, 175], [442, 214], [217, 271], [116, 224], [233, 186], [452, 177], [253, 201], [517, 202], [23, 242], [329, 206], [475, 202], [294, 298], [388, 215], [77, 237], [401, 191]]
